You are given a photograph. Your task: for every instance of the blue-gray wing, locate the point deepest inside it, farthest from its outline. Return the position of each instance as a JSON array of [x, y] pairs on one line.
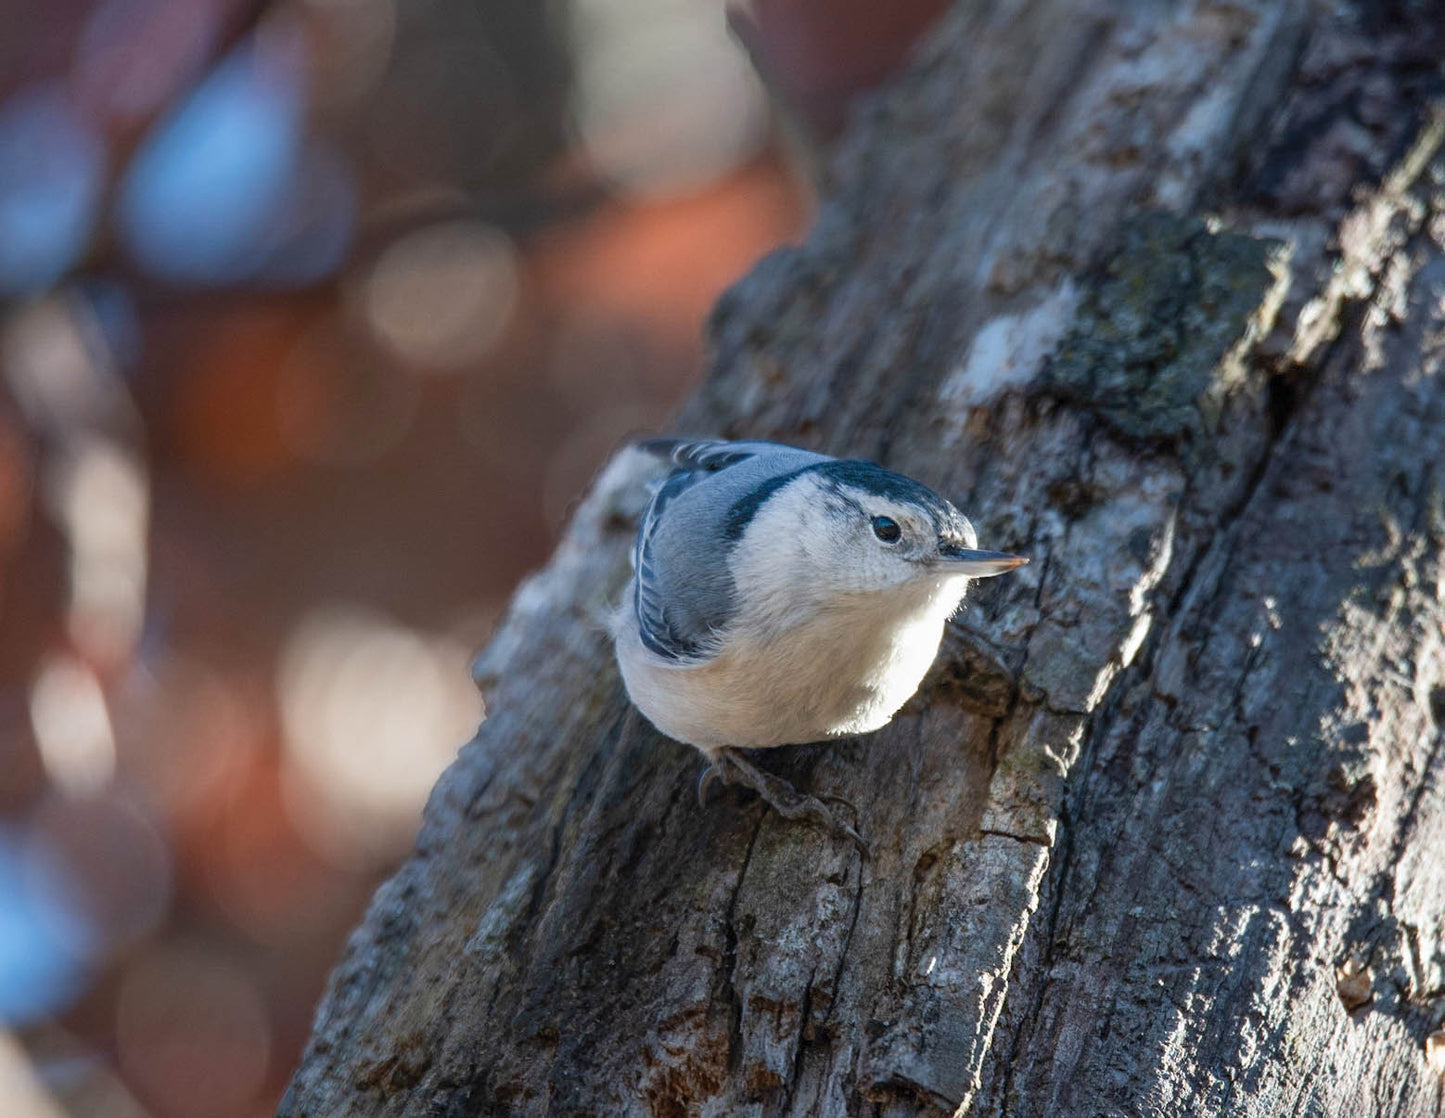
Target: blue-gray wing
[[684, 594]]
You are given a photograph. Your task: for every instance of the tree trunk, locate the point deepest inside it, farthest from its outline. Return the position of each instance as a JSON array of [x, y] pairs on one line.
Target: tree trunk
[[1164, 830]]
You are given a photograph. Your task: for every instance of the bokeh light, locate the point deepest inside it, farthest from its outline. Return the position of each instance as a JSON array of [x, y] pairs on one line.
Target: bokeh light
[[62, 356], [441, 297], [100, 496], [45, 943], [24, 1094], [372, 713], [666, 101], [201, 199], [72, 726]]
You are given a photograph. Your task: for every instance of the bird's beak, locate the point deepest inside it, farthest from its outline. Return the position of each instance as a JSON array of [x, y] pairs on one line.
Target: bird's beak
[[977, 564]]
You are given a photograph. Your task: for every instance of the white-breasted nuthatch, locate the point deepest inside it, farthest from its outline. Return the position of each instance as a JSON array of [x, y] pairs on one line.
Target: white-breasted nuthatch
[[781, 596]]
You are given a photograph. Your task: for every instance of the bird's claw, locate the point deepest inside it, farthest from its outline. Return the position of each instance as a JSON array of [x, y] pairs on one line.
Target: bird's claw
[[731, 767], [705, 782]]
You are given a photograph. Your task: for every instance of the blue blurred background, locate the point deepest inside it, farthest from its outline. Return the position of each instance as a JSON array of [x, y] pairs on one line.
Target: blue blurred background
[[315, 317]]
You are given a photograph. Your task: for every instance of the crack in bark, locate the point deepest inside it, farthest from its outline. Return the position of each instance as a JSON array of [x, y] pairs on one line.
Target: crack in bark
[[804, 1011], [847, 943], [730, 955]]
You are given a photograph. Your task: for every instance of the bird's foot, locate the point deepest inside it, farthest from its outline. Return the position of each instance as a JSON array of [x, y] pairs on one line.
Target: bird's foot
[[731, 767]]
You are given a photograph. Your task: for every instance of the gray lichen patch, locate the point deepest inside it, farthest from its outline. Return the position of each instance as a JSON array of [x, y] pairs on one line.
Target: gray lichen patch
[[1156, 345]]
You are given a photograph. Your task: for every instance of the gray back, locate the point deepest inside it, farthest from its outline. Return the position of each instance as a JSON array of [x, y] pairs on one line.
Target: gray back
[[684, 592]]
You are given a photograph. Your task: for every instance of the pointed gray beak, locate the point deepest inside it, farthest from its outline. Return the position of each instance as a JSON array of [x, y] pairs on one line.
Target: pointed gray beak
[[977, 564]]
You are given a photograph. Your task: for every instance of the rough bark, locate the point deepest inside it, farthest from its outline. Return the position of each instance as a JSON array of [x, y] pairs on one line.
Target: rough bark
[[1162, 784]]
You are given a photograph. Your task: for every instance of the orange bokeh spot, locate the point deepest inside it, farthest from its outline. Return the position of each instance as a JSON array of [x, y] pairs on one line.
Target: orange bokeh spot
[[666, 262], [225, 419]]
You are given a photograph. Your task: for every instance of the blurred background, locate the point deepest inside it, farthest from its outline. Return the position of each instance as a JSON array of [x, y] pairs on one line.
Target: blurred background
[[315, 318]]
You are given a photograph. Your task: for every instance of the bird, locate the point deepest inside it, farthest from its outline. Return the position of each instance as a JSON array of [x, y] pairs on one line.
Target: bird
[[781, 596]]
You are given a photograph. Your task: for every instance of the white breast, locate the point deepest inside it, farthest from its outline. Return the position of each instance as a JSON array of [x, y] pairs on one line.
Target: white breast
[[844, 669]]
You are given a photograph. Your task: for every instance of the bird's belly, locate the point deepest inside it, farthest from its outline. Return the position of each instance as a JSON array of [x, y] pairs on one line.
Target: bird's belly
[[800, 687]]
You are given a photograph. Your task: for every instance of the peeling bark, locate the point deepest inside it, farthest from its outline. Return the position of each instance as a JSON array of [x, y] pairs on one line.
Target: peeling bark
[[1162, 784]]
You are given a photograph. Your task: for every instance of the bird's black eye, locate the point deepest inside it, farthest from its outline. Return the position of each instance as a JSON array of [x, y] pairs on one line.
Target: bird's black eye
[[886, 529]]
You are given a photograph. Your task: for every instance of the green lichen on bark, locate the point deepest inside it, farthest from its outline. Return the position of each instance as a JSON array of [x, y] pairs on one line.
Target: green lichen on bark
[[1155, 346]]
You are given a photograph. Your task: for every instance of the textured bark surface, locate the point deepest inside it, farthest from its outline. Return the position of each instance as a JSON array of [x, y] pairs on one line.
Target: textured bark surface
[[1162, 784]]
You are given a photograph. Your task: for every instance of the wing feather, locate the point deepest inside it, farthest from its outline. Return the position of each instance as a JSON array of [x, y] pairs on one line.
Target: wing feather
[[700, 455], [692, 460]]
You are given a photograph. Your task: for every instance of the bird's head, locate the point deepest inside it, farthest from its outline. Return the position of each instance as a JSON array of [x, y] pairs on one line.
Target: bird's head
[[852, 527]]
